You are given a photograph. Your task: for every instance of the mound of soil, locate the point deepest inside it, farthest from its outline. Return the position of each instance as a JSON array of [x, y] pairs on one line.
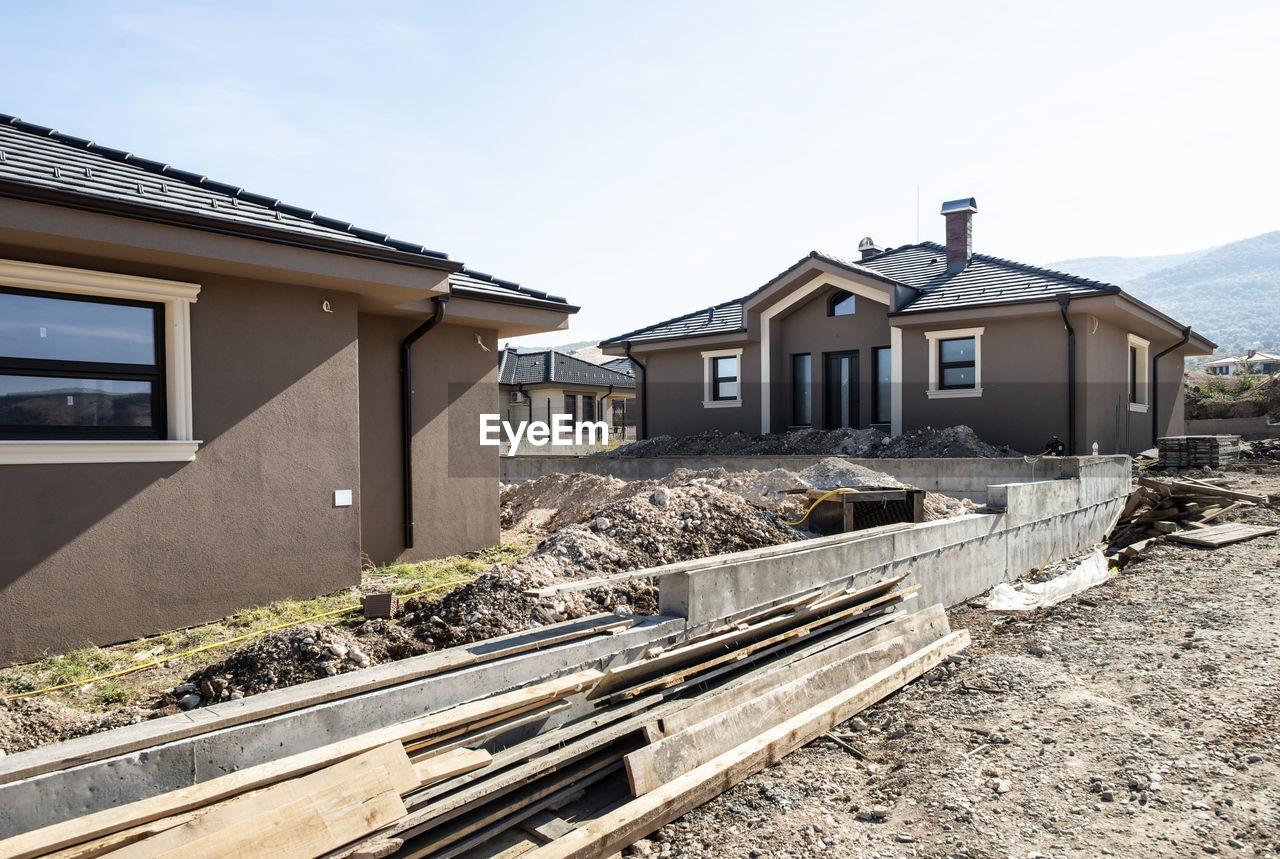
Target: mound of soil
[[1219, 397], [655, 525], [951, 442], [30, 722]]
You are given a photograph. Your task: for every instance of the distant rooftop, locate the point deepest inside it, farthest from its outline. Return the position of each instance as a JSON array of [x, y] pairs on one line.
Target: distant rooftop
[[547, 365]]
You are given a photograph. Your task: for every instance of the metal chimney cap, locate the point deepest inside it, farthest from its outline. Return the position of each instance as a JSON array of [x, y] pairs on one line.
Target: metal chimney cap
[[964, 204], [868, 243]]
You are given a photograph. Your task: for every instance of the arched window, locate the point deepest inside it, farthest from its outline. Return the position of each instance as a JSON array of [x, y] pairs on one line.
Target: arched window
[[841, 303]]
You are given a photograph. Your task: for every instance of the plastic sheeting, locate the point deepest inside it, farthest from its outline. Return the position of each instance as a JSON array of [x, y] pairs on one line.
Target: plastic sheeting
[[1029, 596]]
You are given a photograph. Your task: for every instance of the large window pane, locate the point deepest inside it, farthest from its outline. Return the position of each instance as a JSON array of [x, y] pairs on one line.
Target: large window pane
[[41, 401], [957, 350], [802, 390], [60, 329]]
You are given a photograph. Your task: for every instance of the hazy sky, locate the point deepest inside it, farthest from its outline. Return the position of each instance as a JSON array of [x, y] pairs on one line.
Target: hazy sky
[[645, 159]]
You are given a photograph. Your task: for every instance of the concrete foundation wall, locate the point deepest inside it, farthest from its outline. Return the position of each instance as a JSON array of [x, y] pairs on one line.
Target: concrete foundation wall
[[953, 560], [1251, 428]]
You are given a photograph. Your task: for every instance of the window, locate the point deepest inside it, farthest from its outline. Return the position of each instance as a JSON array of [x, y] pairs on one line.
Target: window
[[882, 407], [955, 363], [842, 303], [571, 406], [1138, 373], [588, 407], [722, 379], [802, 390], [79, 367], [94, 366]]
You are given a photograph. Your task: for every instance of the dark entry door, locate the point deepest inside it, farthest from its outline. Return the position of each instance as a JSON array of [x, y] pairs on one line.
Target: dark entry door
[[841, 389]]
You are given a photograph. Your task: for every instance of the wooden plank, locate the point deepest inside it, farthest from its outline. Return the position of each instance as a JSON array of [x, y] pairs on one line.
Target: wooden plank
[[83, 750], [917, 629], [111, 820], [1196, 488], [296, 819], [626, 675], [818, 620], [435, 740], [643, 815], [1221, 535], [479, 738], [657, 764], [450, 764], [546, 826]]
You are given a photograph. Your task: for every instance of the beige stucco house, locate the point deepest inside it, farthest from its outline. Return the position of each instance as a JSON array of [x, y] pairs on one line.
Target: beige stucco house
[[920, 335]]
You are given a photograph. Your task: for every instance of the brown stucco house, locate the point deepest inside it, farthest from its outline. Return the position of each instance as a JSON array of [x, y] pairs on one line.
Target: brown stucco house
[[210, 399], [920, 335], [538, 384]]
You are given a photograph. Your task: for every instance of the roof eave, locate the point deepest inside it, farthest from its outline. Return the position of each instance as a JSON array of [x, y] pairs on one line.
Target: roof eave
[[151, 214]]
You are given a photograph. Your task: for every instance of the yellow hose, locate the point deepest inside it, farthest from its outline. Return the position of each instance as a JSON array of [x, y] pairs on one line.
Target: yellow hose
[[815, 504], [156, 663]]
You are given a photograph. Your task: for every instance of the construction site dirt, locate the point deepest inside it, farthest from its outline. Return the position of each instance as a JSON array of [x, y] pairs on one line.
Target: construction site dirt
[[1137, 718], [583, 526]]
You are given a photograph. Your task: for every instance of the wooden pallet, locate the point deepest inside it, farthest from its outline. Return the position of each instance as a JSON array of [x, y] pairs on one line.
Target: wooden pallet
[[1221, 535]]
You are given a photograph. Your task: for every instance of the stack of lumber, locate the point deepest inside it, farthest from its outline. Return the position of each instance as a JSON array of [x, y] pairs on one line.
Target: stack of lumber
[[1198, 451], [581, 765], [1163, 507]]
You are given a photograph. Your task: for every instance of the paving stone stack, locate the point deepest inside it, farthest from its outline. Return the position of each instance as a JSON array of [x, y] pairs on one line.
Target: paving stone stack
[[1198, 451]]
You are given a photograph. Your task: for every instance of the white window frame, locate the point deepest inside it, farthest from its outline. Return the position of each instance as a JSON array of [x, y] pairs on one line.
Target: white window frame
[[708, 379], [1143, 379], [933, 392], [176, 298]]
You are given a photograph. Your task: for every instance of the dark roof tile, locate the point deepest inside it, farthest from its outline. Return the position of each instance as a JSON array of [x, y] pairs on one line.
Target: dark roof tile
[[549, 366]]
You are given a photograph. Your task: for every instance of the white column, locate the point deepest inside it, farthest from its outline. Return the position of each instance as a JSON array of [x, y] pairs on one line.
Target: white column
[[895, 386]]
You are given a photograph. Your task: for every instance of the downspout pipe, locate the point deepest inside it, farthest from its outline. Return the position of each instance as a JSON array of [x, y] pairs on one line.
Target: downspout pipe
[[1063, 301], [642, 389], [1155, 383], [406, 410]]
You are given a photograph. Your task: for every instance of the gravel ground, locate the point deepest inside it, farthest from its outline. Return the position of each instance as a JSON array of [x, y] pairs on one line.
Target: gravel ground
[[1140, 718]]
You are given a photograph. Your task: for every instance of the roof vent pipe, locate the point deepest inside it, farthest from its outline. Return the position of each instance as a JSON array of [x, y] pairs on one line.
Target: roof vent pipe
[[868, 247], [959, 215]]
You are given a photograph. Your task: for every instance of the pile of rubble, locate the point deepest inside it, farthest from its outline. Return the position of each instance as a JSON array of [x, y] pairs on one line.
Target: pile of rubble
[[558, 500], [1261, 449], [951, 442]]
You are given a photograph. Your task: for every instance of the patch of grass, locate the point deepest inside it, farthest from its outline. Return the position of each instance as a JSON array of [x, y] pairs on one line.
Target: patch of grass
[[79, 666], [108, 694]]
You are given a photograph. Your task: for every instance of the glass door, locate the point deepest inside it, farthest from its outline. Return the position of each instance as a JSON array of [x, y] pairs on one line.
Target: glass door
[[841, 389]]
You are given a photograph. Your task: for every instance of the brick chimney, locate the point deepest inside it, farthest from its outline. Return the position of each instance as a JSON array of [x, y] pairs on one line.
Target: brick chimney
[[959, 215], [868, 247]]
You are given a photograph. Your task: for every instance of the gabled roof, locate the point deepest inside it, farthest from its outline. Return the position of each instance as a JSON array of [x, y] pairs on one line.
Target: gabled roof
[[547, 365], [621, 365], [985, 280], [921, 269], [43, 164]]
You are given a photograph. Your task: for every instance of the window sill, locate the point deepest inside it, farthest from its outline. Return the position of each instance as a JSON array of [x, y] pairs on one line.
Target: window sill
[[81, 451], [951, 394], [721, 404], [1140, 408]]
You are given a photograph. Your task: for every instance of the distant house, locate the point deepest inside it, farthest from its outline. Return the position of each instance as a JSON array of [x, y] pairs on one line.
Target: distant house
[[1255, 363], [540, 384], [920, 335], [210, 399]]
